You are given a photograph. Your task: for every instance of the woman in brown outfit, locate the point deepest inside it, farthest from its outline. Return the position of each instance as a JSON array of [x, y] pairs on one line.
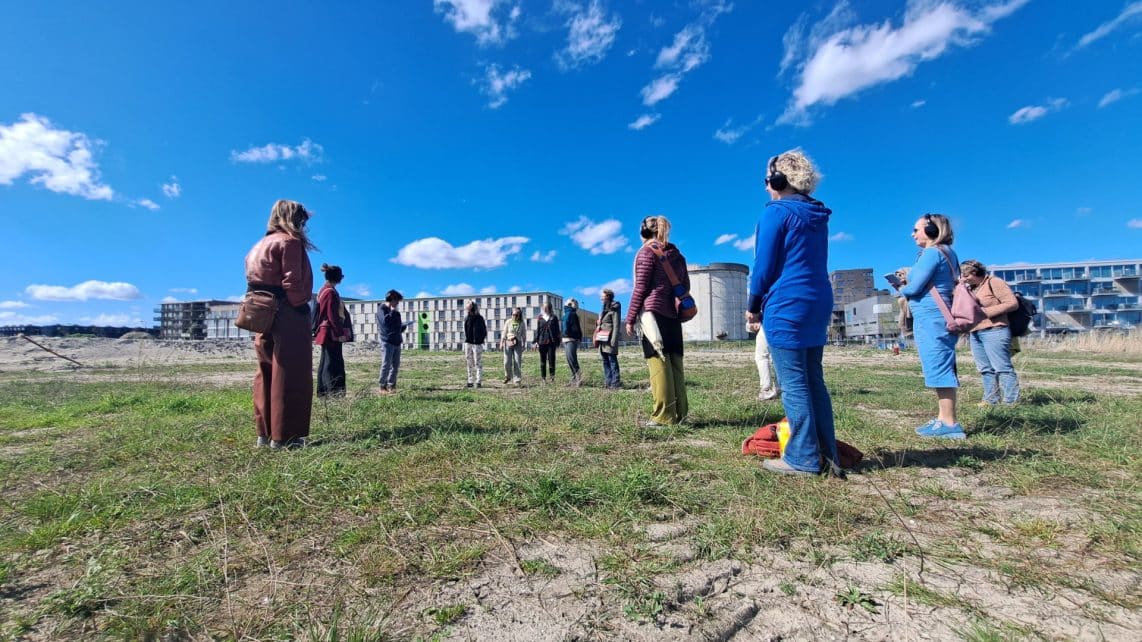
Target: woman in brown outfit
[[990, 339], [283, 383]]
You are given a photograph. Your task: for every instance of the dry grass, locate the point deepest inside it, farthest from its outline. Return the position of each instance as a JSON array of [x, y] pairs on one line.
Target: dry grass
[[1116, 343]]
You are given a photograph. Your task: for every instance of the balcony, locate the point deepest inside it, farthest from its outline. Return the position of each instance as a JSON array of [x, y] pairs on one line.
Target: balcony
[[1053, 293]]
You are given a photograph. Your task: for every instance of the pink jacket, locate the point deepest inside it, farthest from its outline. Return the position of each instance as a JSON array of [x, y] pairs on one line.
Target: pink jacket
[[279, 260], [996, 299]]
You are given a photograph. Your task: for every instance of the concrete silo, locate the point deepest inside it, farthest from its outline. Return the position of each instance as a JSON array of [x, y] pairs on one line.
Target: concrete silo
[[719, 290]]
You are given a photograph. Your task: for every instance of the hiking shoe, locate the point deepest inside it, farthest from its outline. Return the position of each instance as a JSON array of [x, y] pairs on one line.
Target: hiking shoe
[[297, 442], [923, 430], [262, 442], [779, 466], [478, 384], [941, 430], [507, 379], [277, 445], [468, 385]]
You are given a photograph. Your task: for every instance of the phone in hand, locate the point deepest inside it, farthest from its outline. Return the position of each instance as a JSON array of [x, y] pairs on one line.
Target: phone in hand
[[893, 280]]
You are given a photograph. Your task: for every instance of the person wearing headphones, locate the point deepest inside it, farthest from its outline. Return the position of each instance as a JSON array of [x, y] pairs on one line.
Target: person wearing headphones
[[790, 294], [935, 275]]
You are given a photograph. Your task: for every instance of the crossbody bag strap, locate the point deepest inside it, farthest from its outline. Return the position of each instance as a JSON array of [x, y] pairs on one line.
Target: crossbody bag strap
[[936, 293], [670, 274]]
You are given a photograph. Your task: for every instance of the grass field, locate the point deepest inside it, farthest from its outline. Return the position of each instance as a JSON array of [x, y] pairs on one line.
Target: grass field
[[135, 506]]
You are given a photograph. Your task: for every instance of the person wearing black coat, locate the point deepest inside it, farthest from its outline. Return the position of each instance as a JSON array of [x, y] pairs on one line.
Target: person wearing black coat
[[475, 334]]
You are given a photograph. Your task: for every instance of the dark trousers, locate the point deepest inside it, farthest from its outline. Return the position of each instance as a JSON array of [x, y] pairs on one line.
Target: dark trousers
[[547, 359], [283, 384], [331, 370], [571, 350], [611, 370]]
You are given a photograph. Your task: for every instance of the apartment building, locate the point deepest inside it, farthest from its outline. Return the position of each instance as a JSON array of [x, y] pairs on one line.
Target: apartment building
[[1079, 295]]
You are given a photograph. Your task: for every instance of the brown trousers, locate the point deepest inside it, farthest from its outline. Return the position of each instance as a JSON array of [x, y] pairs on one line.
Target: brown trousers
[[283, 384]]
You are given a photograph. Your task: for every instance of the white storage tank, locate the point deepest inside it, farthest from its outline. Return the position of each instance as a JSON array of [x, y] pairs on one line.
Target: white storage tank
[[719, 290]]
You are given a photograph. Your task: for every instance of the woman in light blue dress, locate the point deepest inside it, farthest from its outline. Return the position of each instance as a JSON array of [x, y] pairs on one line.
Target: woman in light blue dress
[[935, 269]]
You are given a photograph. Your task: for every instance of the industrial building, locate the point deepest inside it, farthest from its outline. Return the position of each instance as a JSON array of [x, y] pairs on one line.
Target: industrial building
[[872, 319], [849, 286], [1081, 295], [185, 319], [720, 292]]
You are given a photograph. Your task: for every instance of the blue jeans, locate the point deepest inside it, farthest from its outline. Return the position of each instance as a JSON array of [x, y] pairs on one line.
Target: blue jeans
[[390, 364], [610, 370], [991, 350], [807, 406]]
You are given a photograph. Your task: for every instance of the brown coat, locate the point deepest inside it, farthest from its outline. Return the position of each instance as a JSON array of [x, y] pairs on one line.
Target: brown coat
[[996, 299], [279, 260]]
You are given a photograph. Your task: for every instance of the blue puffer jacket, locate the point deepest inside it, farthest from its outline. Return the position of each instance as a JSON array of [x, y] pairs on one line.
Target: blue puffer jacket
[[571, 327], [789, 283]]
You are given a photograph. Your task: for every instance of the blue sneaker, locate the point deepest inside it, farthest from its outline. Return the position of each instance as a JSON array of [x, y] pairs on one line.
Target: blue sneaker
[[941, 430], [923, 430]]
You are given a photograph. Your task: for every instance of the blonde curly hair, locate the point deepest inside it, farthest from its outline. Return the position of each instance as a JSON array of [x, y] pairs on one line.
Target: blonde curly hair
[[798, 169]]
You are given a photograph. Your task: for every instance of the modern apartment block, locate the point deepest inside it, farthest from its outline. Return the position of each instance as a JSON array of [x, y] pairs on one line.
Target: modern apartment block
[[185, 319], [849, 286], [873, 319], [1079, 295]]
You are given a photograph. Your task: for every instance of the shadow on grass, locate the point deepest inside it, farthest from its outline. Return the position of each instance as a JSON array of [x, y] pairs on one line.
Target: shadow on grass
[[998, 422], [1052, 397], [939, 458]]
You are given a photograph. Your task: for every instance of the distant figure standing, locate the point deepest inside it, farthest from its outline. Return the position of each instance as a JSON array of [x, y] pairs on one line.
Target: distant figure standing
[[990, 339], [475, 334], [790, 294], [653, 306], [610, 322], [392, 336], [512, 342], [547, 337], [935, 270], [283, 383], [572, 337], [332, 331], [769, 387]]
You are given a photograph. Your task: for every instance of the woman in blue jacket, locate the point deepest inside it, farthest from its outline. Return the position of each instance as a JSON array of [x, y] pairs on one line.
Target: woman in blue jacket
[[936, 346], [789, 291]]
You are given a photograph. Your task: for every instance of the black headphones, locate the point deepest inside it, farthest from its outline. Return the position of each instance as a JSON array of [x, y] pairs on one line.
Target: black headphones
[[776, 179], [931, 230]]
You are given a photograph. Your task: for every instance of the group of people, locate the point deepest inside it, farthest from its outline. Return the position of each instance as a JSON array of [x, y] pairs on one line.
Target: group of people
[[790, 303]]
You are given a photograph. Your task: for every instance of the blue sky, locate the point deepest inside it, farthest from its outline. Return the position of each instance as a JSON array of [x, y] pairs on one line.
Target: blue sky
[[450, 146]]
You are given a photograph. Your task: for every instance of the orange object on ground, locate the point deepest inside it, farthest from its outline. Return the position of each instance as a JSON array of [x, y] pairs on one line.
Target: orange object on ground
[[769, 442]]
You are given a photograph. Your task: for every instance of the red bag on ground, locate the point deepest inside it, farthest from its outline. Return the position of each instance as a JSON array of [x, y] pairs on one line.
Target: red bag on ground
[[764, 443]]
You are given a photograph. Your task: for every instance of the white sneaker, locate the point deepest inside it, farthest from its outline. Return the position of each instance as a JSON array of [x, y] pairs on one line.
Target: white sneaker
[[766, 395]]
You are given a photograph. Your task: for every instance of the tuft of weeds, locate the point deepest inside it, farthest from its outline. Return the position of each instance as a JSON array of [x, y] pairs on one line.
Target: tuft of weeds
[[879, 546], [445, 615], [853, 597], [540, 568]]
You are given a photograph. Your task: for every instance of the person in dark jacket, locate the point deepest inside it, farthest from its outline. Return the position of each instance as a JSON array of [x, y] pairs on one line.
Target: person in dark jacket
[[283, 383], [547, 338], [475, 334], [606, 337], [653, 307], [790, 280], [332, 332], [572, 337], [391, 331]]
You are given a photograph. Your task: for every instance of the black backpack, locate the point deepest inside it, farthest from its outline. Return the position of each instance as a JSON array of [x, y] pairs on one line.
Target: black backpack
[[1019, 320]]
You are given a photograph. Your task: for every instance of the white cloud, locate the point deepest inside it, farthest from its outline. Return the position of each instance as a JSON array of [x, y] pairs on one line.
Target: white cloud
[[1083, 211], [688, 51], [361, 290], [171, 299], [320, 178], [730, 135], [725, 238], [117, 291], [590, 33], [423, 295], [59, 160], [1134, 223], [459, 289], [172, 189], [1129, 13], [916, 104], [185, 290], [745, 245], [644, 121], [492, 22], [543, 257], [1018, 223], [619, 286], [1030, 113], [116, 320], [147, 203], [433, 253], [838, 62], [12, 318], [307, 152], [488, 289], [13, 305], [496, 84], [841, 237], [1116, 95], [604, 237]]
